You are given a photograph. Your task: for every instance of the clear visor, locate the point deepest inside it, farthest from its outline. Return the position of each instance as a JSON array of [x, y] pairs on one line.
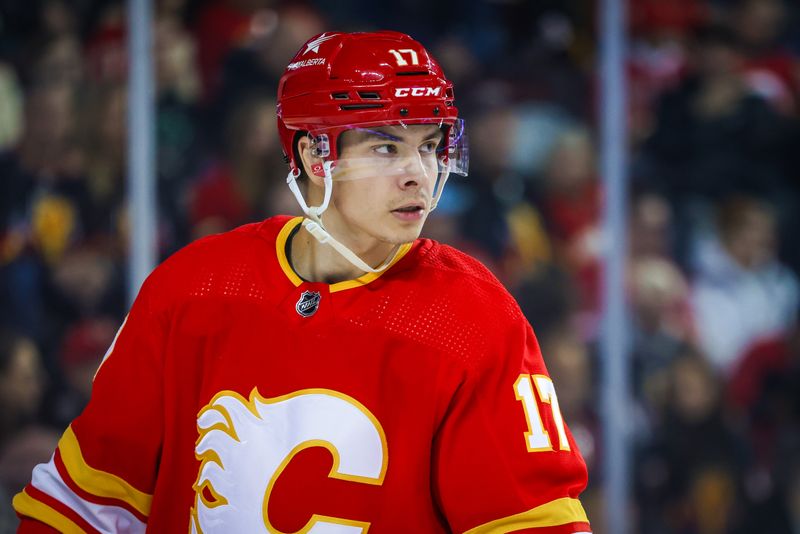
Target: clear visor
[[425, 149]]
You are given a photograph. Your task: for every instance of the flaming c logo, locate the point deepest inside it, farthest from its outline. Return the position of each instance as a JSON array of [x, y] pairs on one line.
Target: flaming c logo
[[245, 444]]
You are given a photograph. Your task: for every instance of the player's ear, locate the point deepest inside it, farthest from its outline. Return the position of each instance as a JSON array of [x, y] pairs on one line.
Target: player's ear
[[312, 165]]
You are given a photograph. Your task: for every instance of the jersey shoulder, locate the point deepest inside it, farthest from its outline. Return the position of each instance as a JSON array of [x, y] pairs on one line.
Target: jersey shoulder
[[464, 279], [227, 264], [449, 301]]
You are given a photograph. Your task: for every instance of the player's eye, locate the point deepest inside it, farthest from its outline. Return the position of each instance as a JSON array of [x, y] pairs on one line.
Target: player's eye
[[428, 148], [386, 150]]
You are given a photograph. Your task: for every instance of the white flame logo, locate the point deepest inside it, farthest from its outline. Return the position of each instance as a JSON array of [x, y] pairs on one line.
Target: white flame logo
[[244, 445]]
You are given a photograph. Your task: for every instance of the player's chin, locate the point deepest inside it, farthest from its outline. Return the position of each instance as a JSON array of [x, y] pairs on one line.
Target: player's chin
[[400, 235]]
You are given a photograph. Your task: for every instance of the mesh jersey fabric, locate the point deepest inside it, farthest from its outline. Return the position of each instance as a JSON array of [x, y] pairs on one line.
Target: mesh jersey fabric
[[395, 406]]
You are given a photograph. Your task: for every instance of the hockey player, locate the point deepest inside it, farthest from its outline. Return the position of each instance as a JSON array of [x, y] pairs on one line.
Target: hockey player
[[330, 373]]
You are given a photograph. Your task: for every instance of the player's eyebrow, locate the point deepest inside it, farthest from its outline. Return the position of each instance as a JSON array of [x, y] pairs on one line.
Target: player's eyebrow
[[366, 134]]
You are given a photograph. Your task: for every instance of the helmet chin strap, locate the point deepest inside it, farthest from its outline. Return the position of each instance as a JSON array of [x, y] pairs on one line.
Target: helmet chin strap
[[313, 222]]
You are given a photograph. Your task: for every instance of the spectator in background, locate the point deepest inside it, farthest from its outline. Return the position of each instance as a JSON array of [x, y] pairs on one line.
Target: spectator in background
[[49, 207], [741, 293], [791, 497], [25, 449], [548, 299], [445, 220], [494, 187], [570, 202], [105, 55], [763, 363], [234, 189], [10, 112], [714, 137], [58, 60], [255, 61], [689, 476], [650, 226], [178, 131], [175, 56], [103, 129], [86, 283], [764, 393], [458, 60], [772, 70], [79, 357], [499, 224], [661, 328], [568, 361], [21, 383], [769, 68], [660, 36], [221, 25], [661, 320], [57, 19]]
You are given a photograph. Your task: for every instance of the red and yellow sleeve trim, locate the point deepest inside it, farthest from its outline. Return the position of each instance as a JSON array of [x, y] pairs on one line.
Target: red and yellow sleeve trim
[[98, 482], [26, 505], [558, 512]]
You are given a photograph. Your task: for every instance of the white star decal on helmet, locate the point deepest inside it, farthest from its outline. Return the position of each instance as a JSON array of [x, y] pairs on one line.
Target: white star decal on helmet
[[314, 45]]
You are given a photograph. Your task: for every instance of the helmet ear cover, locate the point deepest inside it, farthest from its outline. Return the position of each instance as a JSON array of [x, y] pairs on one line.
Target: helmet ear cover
[[318, 150]]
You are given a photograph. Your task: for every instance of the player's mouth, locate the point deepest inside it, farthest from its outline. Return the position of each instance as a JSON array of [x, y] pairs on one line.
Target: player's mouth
[[410, 212]]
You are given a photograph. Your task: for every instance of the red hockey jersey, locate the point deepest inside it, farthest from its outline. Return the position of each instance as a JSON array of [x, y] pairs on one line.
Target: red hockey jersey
[[237, 397]]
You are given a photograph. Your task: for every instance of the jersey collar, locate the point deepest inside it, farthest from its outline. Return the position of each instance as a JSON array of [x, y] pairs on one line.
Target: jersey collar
[[286, 267]]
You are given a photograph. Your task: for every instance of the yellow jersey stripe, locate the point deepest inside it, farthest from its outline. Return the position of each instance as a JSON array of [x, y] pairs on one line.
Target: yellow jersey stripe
[[98, 482], [28, 506], [369, 277], [280, 248], [551, 514]]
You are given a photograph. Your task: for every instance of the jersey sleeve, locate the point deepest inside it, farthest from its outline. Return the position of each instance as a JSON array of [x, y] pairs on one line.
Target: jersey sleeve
[[504, 459], [102, 474]]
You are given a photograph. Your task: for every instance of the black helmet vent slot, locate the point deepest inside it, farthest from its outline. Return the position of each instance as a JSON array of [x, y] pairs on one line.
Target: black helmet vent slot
[[369, 95], [349, 107], [340, 96], [413, 73]]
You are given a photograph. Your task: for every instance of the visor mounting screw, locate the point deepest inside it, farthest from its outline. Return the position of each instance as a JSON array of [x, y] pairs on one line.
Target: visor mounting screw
[[403, 112], [436, 110]]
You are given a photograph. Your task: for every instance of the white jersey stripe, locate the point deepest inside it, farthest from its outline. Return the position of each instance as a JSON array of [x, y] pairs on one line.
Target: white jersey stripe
[[104, 518]]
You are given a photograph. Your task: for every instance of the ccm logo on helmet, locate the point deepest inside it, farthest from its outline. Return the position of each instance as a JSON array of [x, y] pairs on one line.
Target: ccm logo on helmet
[[417, 91]]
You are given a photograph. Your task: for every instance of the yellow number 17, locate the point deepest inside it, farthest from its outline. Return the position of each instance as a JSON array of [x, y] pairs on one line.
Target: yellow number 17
[[537, 438]]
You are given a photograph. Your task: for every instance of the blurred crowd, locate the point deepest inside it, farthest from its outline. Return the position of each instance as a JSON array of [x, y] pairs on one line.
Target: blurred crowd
[[714, 211]]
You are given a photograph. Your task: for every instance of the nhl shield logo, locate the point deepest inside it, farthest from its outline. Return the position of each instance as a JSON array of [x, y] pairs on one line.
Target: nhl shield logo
[[308, 304]]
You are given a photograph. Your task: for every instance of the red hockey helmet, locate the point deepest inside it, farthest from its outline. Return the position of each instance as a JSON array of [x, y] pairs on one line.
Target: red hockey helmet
[[339, 81]]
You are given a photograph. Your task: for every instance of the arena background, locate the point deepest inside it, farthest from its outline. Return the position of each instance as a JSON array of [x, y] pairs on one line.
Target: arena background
[[713, 191]]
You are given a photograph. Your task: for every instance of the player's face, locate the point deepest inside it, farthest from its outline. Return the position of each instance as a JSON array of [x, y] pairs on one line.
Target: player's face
[[384, 180]]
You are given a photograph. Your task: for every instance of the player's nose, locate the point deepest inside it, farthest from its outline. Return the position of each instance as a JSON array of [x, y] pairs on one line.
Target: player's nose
[[414, 174]]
